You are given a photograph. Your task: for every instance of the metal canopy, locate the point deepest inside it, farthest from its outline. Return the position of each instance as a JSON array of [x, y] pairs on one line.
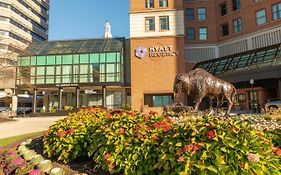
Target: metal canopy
[[267, 56], [75, 47]]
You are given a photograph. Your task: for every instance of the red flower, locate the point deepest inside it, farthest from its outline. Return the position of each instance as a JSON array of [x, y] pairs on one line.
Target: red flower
[[121, 131], [211, 134], [62, 134], [140, 136], [66, 119], [108, 115], [162, 125], [191, 148], [277, 151], [154, 137], [71, 131]]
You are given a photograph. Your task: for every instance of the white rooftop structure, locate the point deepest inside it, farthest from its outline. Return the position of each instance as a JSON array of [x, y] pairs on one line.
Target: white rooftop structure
[[107, 30]]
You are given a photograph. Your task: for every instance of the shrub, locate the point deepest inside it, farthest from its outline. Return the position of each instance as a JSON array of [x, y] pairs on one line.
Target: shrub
[[132, 143]]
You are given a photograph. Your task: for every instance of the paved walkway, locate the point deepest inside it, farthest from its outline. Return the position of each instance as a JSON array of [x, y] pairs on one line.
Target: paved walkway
[[26, 125]]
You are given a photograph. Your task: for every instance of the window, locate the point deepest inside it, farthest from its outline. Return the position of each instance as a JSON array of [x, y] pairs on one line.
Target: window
[[149, 3], [223, 9], [190, 33], [155, 100], [163, 3], [202, 14], [189, 14], [237, 25], [224, 30], [164, 23], [236, 4], [260, 17], [150, 24], [203, 33], [276, 11]]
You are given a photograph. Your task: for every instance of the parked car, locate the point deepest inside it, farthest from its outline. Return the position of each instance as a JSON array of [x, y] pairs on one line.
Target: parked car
[[273, 104], [2, 109]]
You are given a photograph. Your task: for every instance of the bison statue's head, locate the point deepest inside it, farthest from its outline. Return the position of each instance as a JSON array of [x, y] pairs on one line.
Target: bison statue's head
[[178, 85]]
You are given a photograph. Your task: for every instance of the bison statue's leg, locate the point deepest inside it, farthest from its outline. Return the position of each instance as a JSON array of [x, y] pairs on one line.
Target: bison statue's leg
[[230, 104], [198, 101], [219, 103]]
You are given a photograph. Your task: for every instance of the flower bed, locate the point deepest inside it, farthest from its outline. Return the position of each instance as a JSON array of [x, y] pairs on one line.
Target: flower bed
[[22, 161], [133, 143]]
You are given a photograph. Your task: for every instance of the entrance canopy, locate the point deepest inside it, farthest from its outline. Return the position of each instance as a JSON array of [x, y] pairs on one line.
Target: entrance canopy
[[246, 61]]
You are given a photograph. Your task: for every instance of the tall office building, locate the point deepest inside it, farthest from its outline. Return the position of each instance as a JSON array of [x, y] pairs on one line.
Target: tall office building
[[21, 22]]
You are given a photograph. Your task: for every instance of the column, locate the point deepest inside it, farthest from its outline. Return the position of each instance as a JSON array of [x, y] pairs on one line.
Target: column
[[45, 101], [104, 96], [279, 88], [77, 97], [34, 101], [123, 97], [60, 98]]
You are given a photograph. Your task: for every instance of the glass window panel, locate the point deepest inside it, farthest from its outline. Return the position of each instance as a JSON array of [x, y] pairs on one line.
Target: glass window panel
[[102, 57], [260, 17], [149, 24], [58, 79], [118, 66], [83, 79], [189, 14], [24, 61], [201, 14], [32, 71], [110, 77], [40, 71], [237, 25], [50, 70], [190, 33], [157, 101], [203, 33], [67, 59], [111, 57], [149, 3], [50, 79], [164, 22], [32, 80], [40, 80], [33, 61], [102, 77], [84, 69], [41, 60], [51, 60], [110, 68], [102, 68], [75, 69], [75, 78], [58, 70], [58, 59], [67, 70], [94, 58], [276, 11], [163, 3], [66, 79], [84, 58], [75, 59], [118, 56]]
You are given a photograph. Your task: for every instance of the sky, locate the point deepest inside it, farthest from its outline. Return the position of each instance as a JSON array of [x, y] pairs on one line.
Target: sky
[[82, 19]]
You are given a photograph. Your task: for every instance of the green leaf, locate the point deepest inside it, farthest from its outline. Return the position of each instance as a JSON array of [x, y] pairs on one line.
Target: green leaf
[[212, 168]]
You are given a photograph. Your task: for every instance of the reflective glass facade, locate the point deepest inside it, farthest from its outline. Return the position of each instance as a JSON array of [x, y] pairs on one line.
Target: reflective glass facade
[[72, 68]]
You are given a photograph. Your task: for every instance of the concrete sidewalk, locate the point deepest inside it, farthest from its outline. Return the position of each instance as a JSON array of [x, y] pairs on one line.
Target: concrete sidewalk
[[26, 125]]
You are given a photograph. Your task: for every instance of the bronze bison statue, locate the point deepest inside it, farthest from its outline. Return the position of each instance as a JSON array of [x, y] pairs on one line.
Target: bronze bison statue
[[198, 83]]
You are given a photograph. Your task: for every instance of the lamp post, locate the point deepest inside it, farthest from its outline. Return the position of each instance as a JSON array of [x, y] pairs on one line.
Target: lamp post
[[252, 93]]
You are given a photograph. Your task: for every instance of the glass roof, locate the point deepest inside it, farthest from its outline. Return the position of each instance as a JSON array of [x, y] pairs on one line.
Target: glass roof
[[75, 47], [261, 56]]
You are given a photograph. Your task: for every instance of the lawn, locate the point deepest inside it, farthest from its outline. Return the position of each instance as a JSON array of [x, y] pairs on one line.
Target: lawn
[[17, 139]]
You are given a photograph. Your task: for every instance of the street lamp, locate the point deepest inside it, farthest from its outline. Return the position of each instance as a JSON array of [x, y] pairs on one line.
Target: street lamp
[[252, 93]]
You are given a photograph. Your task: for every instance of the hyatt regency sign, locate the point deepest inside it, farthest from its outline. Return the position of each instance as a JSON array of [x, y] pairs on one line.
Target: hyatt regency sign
[[159, 51]]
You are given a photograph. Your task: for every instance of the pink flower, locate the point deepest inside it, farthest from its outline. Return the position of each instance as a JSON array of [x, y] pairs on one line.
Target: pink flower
[[253, 158], [23, 165], [17, 161], [35, 172]]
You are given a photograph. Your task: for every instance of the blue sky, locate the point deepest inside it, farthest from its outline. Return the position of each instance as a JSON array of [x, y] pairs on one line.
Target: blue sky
[[75, 19]]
